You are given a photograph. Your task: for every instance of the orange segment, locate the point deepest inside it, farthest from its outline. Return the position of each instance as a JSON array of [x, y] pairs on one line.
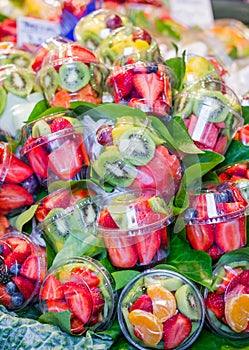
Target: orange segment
[[147, 326], [237, 312], [163, 302]]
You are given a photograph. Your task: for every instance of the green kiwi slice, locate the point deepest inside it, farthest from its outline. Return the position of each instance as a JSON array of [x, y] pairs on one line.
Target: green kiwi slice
[[20, 59], [49, 81], [137, 146], [187, 302], [183, 105], [111, 168], [90, 40], [40, 128], [3, 99], [19, 83], [74, 76], [97, 77]]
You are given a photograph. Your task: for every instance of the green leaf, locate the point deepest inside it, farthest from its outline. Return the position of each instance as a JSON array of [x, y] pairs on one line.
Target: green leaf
[[25, 217], [60, 319], [177, 64], [121, 278], [237, 152], [245, 114], [38, 109], [242, 253]]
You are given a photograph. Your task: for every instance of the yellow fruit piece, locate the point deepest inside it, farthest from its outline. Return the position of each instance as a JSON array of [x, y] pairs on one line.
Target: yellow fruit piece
[[237, 312], [196, 67], [148, 327], [141, 45], [117, 132], [64, 276], [163, 302]]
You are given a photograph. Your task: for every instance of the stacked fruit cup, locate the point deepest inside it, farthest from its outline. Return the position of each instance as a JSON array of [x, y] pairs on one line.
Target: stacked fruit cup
[[70, 73], [19, 185], [144, 85], [82, 287], [227, 302], [211, 112], [161, 309], [216, 219], [22, 270], [9, 54], [133, 226], [54, 148]]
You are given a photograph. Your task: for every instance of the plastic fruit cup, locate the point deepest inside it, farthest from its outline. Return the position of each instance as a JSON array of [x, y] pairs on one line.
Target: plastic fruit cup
[[211, 112], [161, 309], [243, 135], [54, 148], [92, 29], [126, 41], [229, 291], [216, 219], [84, 288], [22, 270], [143, 85], [72, 73], [133, 227], [11, 55], [18, 182]]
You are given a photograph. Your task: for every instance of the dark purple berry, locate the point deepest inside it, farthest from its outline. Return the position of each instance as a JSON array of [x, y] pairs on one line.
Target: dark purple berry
[[31, 184], [15, 269], [113, 21], [17, 299], [152, 69], [104, 135], [11, 287], [190, 213], [141, 34]]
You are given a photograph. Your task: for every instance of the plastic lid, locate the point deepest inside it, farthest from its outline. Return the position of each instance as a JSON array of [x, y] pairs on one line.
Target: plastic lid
[[5, 158]]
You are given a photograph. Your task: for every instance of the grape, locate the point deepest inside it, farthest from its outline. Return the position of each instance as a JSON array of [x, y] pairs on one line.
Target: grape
[[31, 184], [142, 35], [104, 135], [113, 21]]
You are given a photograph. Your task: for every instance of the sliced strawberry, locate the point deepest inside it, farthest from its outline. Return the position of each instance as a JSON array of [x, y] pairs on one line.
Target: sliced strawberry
[[25, 286], [57, 305], [227, 208], [18, 171], [231, 273], [38, 59], [231, 235], [123, 83], [215, 252], [65, 161], [5, 298], [98, 300], [41, 213], [237, 289], [221, 144], [175, 330], [243, 134], [149, 86], [77, 326], [237, 169], [147, 246], [215, 302], [244, 278], [58, 199], [19, 254], [79, 299], [12, 197], [52, 289], [201, 237], [14, 241], [106, 220], [38, 160], [5, 249], [30, 268], [76, 51], [60, 123], [87, 275], [77, 195], [144, 303]]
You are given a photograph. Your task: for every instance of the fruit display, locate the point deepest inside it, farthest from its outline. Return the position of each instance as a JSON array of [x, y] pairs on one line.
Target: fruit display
[[161, 309], [80, 290], [216, 219], [134, 228], [227, 303]]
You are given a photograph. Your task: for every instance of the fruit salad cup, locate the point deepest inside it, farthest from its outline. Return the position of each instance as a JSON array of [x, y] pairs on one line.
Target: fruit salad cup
[[133, 156], [18, 183], [92, 29], [9, 54], [133, 227], [227, 305], [22, 270], [161, 309], [242, 135], [126, 41], [211, 112], [54, 148], [82, 287], [70, 73], [216, 219], [144, 85]]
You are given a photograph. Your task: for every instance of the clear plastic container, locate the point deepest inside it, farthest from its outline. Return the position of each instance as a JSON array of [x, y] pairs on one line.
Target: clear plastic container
[[82, 286], [22, 270], [227, 302], [216, 219], [211, 112], [161, 309], [133, 226]]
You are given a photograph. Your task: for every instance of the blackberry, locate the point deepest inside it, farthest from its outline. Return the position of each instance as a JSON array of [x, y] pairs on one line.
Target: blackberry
[[4, 274]]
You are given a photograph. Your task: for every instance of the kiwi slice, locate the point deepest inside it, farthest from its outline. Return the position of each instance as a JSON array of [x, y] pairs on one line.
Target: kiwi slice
[[187, 302], [74, 76], [40, 128], [158, 205], [171, 283], [20, 59], [90, 40], [49, 81], [97, 77], [3, 99], [137, 146], [183, 105], [111, 168], [19, 83]]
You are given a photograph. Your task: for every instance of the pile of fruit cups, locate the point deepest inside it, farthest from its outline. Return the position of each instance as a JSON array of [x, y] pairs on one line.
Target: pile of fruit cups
[[216, 219], [161, 309]]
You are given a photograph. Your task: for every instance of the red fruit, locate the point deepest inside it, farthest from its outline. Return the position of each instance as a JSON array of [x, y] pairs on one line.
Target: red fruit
[[25, 286], [61, 98], [123, 83], [221, 144], [58, 199], [77, 326], [175, 330], [5, 298], [18, 170], [79, 300], [19, 254], [39, 57], [113, 21], [60, 123], [80, 53], [14, 241], [141, 34], [66, 161], [52, 289], [104, 135], [57, 305], [235, 288], [106, 220], [147, 246], [215, 252], [87, 275], [243, 134], [41, 213], [215, 302], [30, 268], [231, 235], [244, 278], [38, 160], [98, 301], [5, 249], [13, 196], [237, 169], [201, 237], [149, 86], [144, 303], [230, 274]]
